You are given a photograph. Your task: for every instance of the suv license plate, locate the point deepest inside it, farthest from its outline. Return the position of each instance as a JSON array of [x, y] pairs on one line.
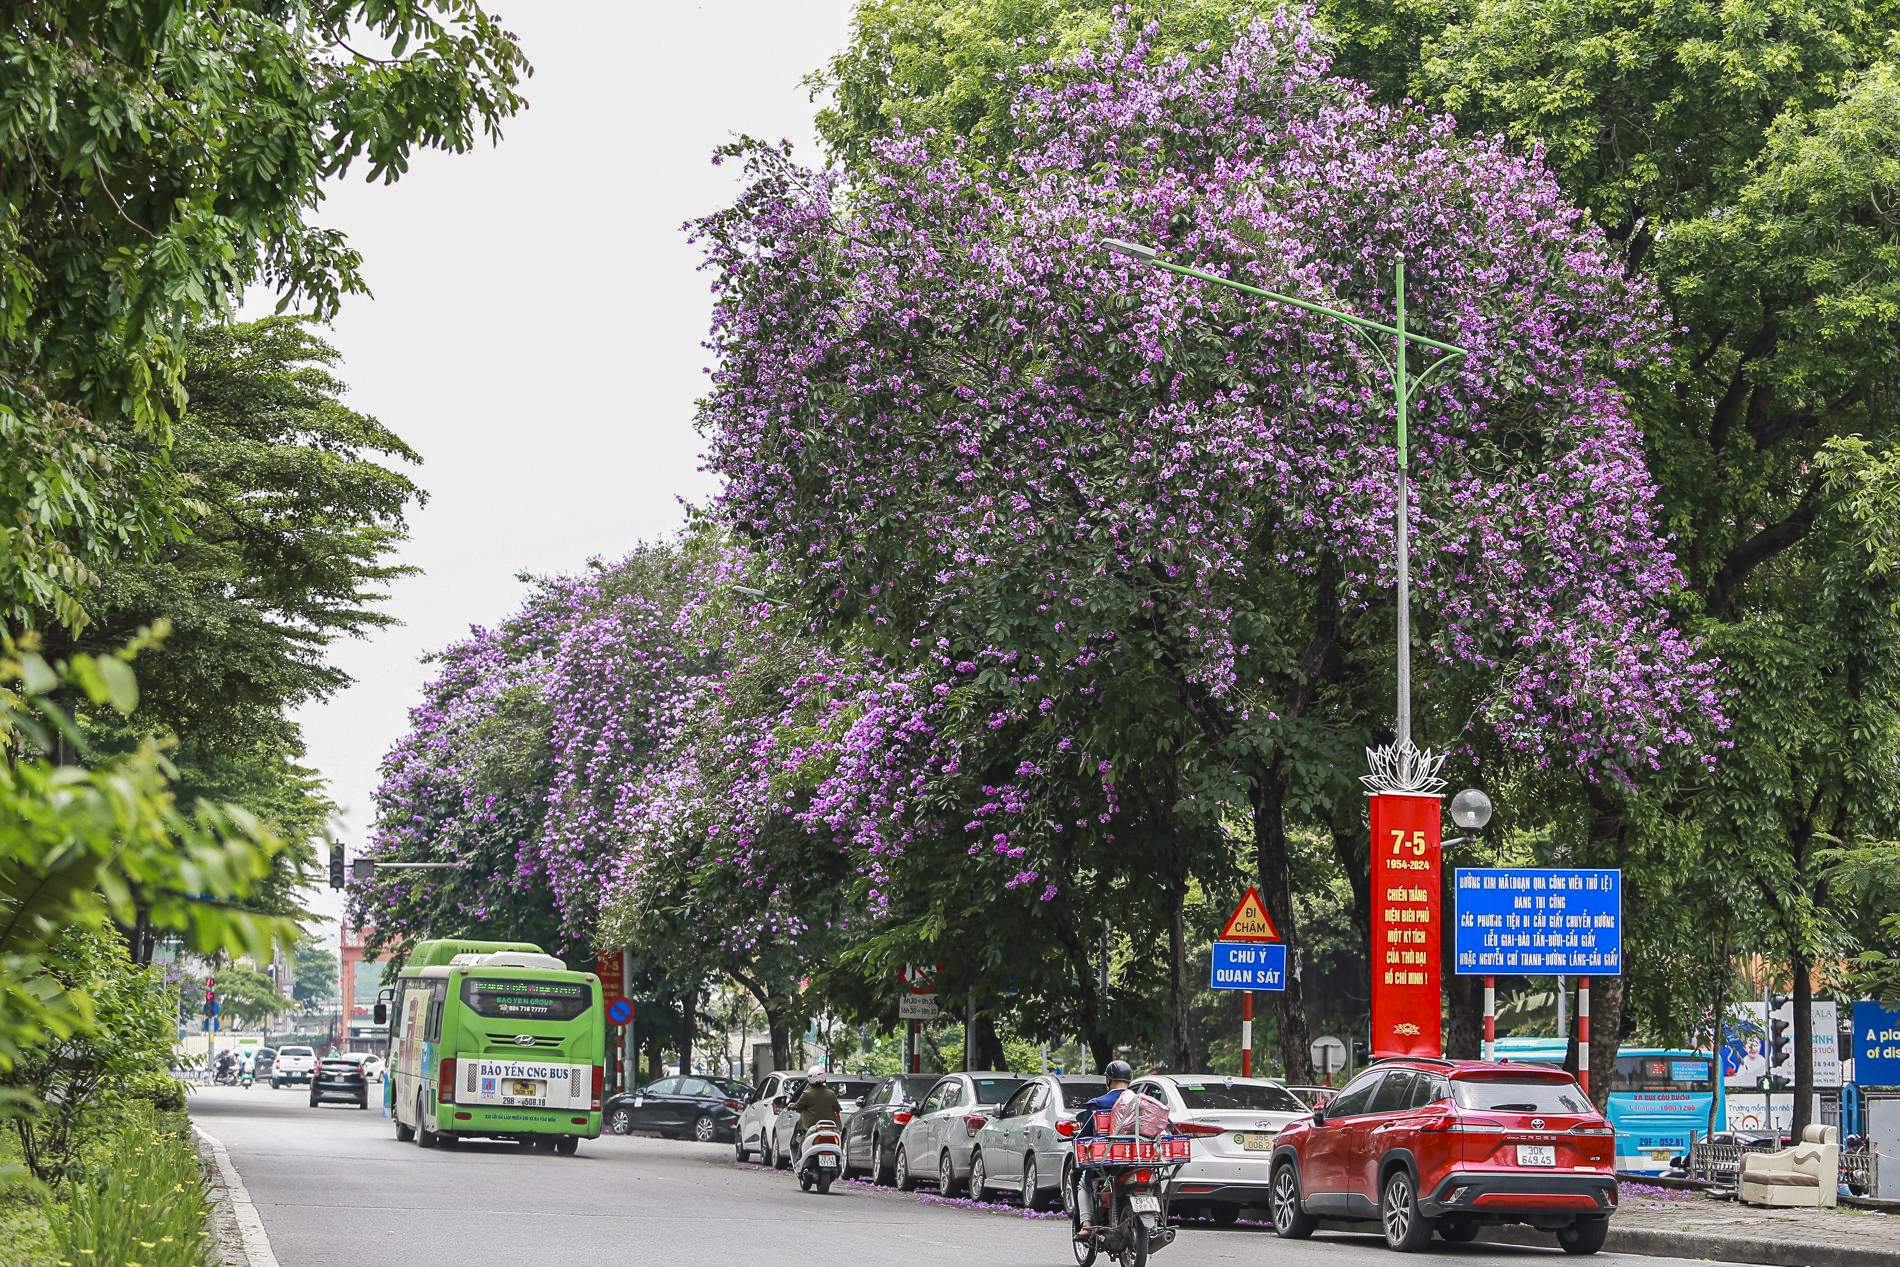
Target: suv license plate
[[1537, 1154], [1144, 1203]]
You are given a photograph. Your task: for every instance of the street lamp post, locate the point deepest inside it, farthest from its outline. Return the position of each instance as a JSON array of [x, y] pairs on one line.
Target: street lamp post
[[1404, 391]]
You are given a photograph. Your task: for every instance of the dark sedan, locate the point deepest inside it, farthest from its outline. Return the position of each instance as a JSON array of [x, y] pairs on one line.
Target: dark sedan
[[700, 1109], [870, 1138], [340, 1077]]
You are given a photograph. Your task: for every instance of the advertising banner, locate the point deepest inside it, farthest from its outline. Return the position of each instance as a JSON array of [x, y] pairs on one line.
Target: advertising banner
[[1405, 928], [1526, 921], [1745, 1055], [1877, 1044], [611, 970]]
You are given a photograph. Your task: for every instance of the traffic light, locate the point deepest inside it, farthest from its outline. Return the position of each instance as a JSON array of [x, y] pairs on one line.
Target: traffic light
[[336, 866], [1780, 1042], [211, 996]]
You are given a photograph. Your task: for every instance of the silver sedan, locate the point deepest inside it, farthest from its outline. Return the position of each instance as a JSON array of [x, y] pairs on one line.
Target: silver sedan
[[940, 1137], [1025, 1146], [1236, 1120], [851, 1093]]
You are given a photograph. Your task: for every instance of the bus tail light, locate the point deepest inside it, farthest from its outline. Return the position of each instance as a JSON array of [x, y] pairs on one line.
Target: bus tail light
[[599, 1079], [445, 1081]]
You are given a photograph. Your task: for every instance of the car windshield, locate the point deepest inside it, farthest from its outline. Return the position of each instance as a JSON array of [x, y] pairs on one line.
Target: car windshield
[[849, 1089], [298, 1051], [1238, 1095], [996, 1090], [1502, 1095], [1076, 1094], [916, 1089]]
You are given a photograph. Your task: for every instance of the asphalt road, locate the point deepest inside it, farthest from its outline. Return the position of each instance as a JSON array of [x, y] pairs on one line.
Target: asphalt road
[[335, 1189]]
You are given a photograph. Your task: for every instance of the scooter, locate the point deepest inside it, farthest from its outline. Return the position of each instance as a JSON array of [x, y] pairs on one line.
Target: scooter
[[820, 1157], [245, 1078]]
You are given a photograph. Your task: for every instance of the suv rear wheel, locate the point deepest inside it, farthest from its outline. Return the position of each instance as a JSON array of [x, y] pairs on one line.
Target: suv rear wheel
[[1406, 1229], [1585, 1236], [1289, 1220]]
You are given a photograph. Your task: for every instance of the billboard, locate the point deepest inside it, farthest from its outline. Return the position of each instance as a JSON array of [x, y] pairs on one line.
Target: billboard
[[1745, 1056], [1531, 921]]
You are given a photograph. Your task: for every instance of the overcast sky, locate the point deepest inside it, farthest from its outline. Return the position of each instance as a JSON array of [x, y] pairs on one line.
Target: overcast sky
[[537, 317]]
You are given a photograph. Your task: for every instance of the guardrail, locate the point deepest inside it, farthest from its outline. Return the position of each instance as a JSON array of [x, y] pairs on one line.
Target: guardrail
[[1719, 1163]]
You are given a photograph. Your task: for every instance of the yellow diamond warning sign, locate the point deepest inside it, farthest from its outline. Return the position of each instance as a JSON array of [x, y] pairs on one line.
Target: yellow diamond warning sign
[[1250, 921]]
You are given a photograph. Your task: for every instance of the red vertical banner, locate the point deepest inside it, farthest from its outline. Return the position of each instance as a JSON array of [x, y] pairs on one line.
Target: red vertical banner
[[1405, 928], [609, 967]]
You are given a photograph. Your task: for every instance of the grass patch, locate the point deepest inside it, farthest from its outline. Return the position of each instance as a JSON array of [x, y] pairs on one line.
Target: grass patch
[[26, 1238]]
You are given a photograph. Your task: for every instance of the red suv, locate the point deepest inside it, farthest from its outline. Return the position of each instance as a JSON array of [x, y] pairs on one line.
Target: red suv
[[1450, 1144]]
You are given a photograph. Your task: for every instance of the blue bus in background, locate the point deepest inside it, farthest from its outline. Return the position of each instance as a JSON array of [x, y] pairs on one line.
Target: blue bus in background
[[1660, 1098]]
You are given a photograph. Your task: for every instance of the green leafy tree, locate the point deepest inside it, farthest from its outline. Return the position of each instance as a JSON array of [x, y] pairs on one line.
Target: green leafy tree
[[158, 157], [316, 972]]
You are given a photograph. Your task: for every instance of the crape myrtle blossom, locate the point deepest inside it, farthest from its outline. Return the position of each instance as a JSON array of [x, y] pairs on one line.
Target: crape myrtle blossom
[[933, 385]]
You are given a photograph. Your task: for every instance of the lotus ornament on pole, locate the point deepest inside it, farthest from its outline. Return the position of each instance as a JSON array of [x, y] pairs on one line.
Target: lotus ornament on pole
[[1401, 769]]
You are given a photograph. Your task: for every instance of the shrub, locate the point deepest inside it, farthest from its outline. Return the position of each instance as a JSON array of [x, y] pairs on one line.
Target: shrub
[[146, 1205]]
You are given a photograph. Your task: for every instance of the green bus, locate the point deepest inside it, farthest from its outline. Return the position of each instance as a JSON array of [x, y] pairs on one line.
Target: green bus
[[493, 1039]]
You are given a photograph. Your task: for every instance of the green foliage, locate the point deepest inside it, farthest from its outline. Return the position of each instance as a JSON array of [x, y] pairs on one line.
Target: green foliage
[[246, 996], [157, 158], [121, 1051], [316, 972], [146, 1204], [87, 847]]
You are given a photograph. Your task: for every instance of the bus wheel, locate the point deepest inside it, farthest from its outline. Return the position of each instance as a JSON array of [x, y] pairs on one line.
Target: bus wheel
[[568, 1145], [403, 1133], [425, 1137]]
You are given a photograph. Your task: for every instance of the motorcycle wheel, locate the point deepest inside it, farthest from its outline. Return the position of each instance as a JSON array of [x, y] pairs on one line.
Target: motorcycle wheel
[[1134, 1242], [1084, 1254], [804, 1181], [824, 1182]]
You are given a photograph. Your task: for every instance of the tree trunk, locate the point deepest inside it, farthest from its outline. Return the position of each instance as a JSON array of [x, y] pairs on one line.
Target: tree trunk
[[689, 1021], [1101, 1049], [1180, 991], [1352, 845], [1275, 877], [1802, 1002], [1606, 1034], [989, 1044]]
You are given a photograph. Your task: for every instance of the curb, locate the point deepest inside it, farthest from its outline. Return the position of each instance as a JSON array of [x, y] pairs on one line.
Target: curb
[[1656, 1243], [242, 1241]]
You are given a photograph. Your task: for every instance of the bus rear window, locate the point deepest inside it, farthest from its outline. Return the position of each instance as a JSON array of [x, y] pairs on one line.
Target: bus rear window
[[527, 1000]]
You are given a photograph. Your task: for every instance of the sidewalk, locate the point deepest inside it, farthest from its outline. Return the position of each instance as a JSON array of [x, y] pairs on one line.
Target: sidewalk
[[1673, 1223]]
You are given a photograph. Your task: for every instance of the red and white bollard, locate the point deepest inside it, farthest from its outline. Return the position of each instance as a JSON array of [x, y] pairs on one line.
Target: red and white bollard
[[1490, 1018], [1246, 1033]]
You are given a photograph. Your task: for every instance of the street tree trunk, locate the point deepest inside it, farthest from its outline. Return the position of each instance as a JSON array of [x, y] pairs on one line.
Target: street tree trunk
[[689, 1022], [1274, 869], [1180, 990]]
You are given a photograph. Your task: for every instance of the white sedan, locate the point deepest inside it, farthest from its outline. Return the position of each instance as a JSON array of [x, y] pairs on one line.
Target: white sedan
[[373, 1067], [1230, 1169]]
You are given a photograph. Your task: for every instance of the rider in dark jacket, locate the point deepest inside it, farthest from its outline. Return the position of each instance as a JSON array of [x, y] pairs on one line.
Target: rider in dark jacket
[[816, 1103]]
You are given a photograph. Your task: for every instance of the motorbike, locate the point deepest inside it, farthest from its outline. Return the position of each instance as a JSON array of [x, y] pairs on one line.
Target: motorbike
[[245, 1078], [226, 1076], [1130, 1220], [820, 1157]]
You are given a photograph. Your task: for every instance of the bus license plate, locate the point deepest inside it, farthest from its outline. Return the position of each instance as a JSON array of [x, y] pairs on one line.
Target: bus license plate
[[1144, 1203], [1256, 1142], [524, 1088], [1537, 1154]]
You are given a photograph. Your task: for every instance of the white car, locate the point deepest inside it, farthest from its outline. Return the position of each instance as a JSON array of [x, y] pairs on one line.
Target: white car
[[1230, 1170], [373, 1067], [294, 1064], [754, 1131], [852, 1093]]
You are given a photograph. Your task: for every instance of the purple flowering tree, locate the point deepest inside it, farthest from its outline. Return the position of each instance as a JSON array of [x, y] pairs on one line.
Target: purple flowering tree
[[944, 412]]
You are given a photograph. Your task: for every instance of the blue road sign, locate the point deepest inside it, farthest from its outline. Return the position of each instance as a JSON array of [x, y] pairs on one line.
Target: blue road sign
[[1522, 921], [1248, 965], [619, 1011], [1877, 1044]]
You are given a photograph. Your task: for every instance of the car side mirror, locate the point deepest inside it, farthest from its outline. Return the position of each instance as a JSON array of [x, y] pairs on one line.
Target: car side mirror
[[381, 1014], [1319, 1115], [859, 1102], [778, 1104]]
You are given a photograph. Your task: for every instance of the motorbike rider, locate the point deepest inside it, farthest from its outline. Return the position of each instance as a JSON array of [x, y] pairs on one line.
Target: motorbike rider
[[1119, 1074], [816, 1103], [227, 1065]]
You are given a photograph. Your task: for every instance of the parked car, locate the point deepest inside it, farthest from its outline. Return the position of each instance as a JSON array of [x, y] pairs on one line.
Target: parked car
[[1232, 1164], [1024, 1146], [340, 1077], [852, 1093], [940, 1137], [753, 1134], [1423, 1145], [293, 1064], [373, 1066], [693, 1108], [870, 1137]]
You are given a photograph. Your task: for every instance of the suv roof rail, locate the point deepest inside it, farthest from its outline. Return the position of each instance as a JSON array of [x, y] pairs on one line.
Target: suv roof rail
[[1421, 1060]]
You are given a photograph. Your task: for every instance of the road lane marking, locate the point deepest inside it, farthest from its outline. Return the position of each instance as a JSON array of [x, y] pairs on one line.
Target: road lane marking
[[250, 1223]]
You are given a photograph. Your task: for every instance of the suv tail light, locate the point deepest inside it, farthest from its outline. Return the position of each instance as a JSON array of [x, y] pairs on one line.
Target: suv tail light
[[1593, 1128], [445, 1081], [599, 1080], [973, 1122], [1066, 1129], [1202, 1129], [1463, 1125], [900, 1117]]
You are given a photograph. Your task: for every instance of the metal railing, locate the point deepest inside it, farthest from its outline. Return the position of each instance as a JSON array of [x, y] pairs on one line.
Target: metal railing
[[1719, 1163]]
